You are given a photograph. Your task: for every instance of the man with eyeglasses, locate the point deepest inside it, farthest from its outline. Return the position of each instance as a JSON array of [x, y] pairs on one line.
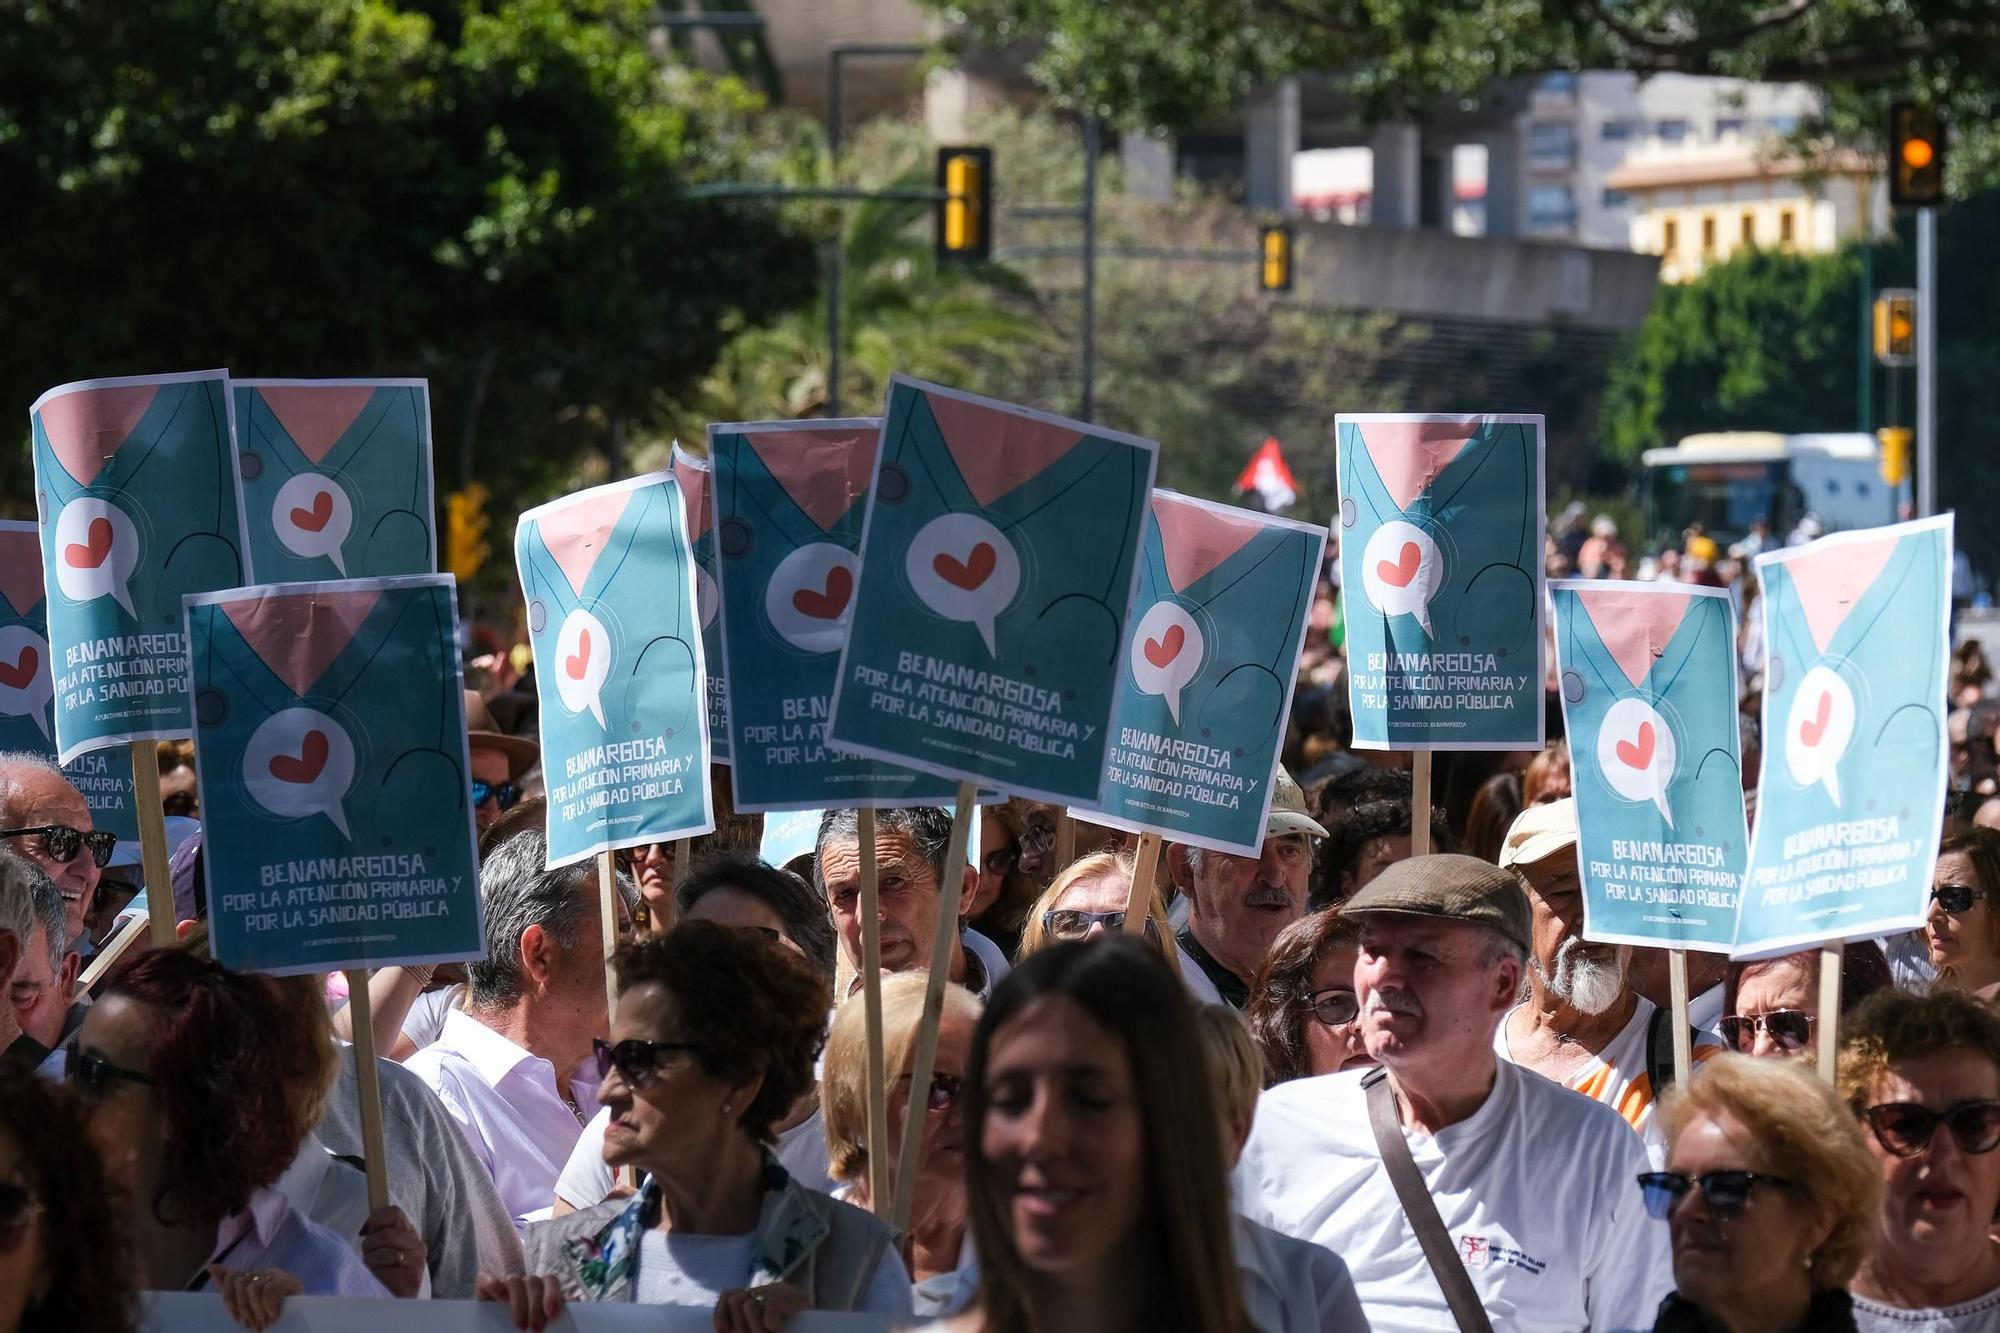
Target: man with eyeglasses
[[499, 763], [45, 819], [43, 992]]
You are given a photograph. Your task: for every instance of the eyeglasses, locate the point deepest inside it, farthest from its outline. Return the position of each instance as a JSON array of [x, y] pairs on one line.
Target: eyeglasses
[[18, 1206], [1072, 923], [637, 1062], [61, 843], [1906, 1128], [92, 1075], [1790, 1028], [1725, 1192], [1001, 861], [945, 1089], [1038, 838], [1336, 1007], [506, 793], [1955, 898]]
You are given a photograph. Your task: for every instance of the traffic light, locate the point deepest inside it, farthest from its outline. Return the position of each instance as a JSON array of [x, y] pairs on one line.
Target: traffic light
[[1896, 327], [465, 548], [1916, 156], [1895, 442], [965, 213], [1275, 272]]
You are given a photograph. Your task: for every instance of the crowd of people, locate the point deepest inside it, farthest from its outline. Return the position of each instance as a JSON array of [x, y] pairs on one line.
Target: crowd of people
[[1335, 1086]]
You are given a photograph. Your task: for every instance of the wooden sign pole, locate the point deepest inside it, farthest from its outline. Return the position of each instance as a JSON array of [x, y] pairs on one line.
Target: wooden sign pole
[[369, 1088], [153, 841], [1831, 956], [607, 906], [1145, 869], [1065, 843], [880, 1192], [1677, 985], [1420, 803]]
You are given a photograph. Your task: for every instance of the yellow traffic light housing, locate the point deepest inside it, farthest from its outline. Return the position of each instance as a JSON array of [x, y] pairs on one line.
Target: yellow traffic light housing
[[965, 213], [1895, 442], [1896, 327], [1275, 249], [465, 548], [1916, 156]]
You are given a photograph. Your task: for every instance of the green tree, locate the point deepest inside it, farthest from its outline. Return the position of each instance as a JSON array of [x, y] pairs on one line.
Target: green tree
[[487, 192]]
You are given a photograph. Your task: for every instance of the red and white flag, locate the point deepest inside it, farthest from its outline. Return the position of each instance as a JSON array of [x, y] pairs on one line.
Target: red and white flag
[[1267, 475]]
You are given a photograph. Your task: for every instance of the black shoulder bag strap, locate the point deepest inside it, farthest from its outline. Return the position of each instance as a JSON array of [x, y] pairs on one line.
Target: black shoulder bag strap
[[1420, 1208]]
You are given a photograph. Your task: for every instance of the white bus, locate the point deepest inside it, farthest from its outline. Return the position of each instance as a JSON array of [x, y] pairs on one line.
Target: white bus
[[1727, 480]]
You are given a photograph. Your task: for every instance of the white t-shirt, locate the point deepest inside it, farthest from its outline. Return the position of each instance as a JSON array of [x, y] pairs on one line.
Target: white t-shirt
[[1292, 1285], [586, 1179], [1978, 1315], [424, 1024], [696, 1270], [1537, 1189], [1705, 1009]]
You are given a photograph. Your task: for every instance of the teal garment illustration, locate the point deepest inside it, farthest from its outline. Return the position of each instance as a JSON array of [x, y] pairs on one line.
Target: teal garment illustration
[[135, 488], [789, 499], [608, 574], [335, 781], [999, 558], [691, 474], [1649, 689], [1441, 574], [1851, 793], [336, 478], [27, 687], [1221, 612]]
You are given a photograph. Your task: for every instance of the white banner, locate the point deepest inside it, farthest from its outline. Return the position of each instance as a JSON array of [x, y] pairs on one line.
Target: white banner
[[183, 1312]]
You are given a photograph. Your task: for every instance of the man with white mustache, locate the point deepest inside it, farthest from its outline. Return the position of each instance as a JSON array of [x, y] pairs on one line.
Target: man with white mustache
[[1581, 1025]]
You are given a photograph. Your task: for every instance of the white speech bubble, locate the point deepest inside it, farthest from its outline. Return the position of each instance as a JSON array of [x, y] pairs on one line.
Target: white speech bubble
[[26, 681], [313, 516], [964, 568], [1818, 729], [1401, 570], [810, 597], [707, 597], [300, 762], [1167, 651], [97, 548], [1635, 753], [583, 662]]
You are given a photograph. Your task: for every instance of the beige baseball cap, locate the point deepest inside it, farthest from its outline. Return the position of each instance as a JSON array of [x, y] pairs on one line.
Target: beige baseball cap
[[1539, 832], [1288, 809]]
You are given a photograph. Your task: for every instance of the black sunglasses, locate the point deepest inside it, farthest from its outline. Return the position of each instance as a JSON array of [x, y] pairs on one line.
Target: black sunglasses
[[61, 842], [1335, 1007], [92, 1075], [1906, 1128], [637, 1062], [18, 1206], [1072, 923], [1725, 1192], [1001, 861], [506, 793], [1790, 1028], [1955, 898]]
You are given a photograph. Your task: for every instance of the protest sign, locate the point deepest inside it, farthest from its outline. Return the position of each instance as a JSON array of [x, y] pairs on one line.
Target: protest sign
[[335, 781], [27, 687], [202, 1312], [1441, 579], [1216, 629], [335, 478], [609, 577], [1649, 688], [999, 555], [789, 498], [692, 475], [135, 488], [1850, 797]]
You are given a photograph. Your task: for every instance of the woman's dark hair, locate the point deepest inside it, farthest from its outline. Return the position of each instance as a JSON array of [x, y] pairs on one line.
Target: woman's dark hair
[[1355, 809], [1191, 1280], [1864, 970], [241, 1064], [1281, 1002], [803, 911], [1494, 807], [85, 1251], [752, 1006]]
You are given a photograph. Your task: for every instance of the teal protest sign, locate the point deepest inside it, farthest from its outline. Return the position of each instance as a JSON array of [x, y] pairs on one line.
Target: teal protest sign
[[335, 781], [1649, 689], [789, 498], [1850, 797], [335, 477], [609, 577], [1441, 579], [135, 488], [1221, 611], [27, 687], [691, 475], [999, 556]]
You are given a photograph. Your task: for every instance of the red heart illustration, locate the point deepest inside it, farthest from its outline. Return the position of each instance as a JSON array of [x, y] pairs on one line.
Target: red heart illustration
[[313, 519], [16, 675], [578, 662], [1399, 574], [308, 763], [1638, 756], [977, 568], [78, 556], [829, 604], [1811, 732], [1167, 647]]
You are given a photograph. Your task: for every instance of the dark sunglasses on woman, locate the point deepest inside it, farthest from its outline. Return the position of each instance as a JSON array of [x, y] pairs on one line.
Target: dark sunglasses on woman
[[1906, 1128], [1790, 1028], [18, 1206], [1725, 1192], [1072, 923], [93, 1076], [61, 843], [1336, 1007], [505, 793], [637, 1062], [1955, 898]]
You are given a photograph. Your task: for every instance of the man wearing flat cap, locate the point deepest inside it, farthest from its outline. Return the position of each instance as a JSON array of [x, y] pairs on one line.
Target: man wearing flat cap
[[1532, 1182]]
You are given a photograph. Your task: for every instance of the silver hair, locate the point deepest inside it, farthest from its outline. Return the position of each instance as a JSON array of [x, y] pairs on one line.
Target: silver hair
[[1498, 946], [517, 890], [50, 910], [928, 826], [18, 904], [11, 762]]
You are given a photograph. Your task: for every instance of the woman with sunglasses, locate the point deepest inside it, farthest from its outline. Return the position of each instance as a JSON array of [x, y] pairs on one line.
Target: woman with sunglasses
[[1772, 1006], [1771, 1198], [1086, 901], [940, 1260], [64, 1260], [712, 1044], [1923, 1076], [1964, 927], [1302, 1005]]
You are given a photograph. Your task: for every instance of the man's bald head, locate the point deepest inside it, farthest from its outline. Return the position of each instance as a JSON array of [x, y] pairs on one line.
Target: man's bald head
[[34, 793]]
